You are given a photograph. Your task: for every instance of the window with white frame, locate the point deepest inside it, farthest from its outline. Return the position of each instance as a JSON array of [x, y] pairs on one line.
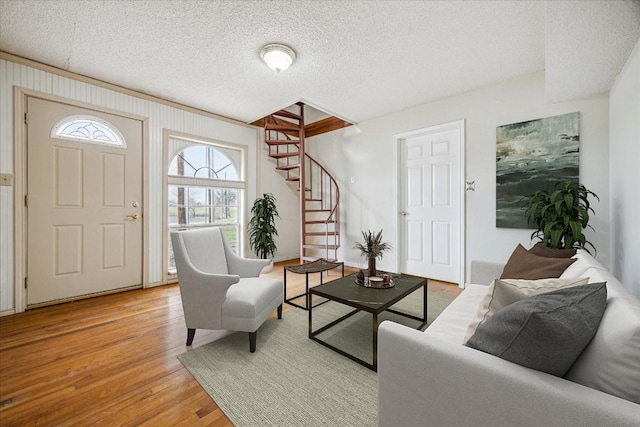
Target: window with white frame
[[205, 188]]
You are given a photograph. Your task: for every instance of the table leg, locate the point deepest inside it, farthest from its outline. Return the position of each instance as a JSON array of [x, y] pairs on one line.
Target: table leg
[[285, 284], [308, 297], [306, 290], [424, 302], [375, 342]]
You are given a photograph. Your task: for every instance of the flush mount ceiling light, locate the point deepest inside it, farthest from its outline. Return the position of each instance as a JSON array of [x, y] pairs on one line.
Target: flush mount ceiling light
[[277, 56]]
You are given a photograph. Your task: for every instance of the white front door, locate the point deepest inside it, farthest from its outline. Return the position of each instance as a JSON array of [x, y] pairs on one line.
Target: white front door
[[84, 218], [430, 203]]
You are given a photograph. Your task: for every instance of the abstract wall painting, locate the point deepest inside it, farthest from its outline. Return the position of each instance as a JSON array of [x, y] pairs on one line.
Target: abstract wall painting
[[531, 156]]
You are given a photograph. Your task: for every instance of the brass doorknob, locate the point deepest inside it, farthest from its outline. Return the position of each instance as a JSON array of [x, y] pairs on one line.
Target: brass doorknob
[[135, 216], [403, 213]]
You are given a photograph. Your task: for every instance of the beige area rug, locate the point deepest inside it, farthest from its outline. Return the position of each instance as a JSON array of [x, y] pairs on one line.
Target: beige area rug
[[293, 381]]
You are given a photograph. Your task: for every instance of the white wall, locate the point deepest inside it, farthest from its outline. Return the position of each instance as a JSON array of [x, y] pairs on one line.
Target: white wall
[[624, 161], [367, 154], [288, 203], [160, 116]]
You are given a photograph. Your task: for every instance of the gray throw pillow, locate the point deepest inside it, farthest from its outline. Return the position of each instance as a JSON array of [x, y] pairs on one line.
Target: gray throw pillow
[[546, 332]]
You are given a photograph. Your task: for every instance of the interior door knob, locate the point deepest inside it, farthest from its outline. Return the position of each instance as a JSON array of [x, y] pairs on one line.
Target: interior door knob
[[135, 216], [403, 213]]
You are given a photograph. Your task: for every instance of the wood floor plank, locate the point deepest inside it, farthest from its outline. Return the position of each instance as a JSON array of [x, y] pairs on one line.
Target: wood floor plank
[[111, 360]]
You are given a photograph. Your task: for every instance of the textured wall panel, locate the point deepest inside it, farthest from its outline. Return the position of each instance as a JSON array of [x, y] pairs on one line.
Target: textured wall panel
[[7, 74]]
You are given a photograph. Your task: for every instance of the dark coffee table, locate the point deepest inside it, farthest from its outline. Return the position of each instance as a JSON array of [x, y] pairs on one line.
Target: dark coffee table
[[375, 301]]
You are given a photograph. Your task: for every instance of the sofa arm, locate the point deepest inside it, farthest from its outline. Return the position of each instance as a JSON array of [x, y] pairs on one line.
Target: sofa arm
[[424, 380], [484, 272]]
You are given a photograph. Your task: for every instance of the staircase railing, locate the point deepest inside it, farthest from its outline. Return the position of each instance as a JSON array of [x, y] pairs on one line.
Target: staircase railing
[[323, 191]]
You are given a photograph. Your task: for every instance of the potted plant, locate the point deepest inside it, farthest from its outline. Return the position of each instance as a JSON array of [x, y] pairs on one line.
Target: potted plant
[[372, 248], [561, 215], [262, 226]]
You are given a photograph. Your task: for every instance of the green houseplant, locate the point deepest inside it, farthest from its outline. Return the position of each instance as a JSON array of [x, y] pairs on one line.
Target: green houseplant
[[372, 248], [262, 226], [561, 215]]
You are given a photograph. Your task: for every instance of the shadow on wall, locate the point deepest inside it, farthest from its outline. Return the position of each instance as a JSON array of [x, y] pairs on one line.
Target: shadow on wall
[[630, 281]]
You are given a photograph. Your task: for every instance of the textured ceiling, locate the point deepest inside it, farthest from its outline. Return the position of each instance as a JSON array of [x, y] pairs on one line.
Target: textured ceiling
[[356, 59], [587, 45]]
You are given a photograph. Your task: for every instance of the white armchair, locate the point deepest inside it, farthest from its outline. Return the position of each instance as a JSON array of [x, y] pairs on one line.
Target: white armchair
[[219, 289]]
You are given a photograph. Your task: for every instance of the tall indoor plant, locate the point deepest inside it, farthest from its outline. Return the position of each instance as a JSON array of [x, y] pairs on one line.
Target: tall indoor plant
[[561, 215], [372, 248], [262, 226]]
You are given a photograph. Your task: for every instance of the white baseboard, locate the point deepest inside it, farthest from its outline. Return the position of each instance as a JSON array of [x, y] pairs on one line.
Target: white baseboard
[[153, 285], [7, 312]]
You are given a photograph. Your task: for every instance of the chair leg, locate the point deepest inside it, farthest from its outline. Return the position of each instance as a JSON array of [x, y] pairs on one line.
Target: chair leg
[[190, 334], [280, 311], [252, 342]]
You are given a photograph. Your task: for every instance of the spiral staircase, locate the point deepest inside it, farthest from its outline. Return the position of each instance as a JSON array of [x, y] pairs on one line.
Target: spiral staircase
[[284, 133]]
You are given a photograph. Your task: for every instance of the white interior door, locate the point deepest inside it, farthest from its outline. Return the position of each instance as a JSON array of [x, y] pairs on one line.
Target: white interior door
[[430, 203], [84, 222]]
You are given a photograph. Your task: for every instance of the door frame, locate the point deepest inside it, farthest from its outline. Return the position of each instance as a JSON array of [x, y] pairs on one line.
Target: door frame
[[20, 96], [459, 125]]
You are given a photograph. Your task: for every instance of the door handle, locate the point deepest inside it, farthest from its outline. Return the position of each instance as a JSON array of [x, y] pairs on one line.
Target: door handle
[[135, 216], [403, 213]]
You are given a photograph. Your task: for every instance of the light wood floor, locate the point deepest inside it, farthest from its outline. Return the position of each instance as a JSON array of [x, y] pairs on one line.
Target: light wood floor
[[111, 360]]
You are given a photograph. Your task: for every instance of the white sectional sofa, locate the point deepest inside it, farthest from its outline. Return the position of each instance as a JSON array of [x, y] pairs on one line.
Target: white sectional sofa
[[431, 379]]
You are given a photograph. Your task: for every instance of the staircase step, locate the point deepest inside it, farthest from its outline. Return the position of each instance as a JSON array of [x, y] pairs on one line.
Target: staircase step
[[312, 200], [283, 155], [292, 127], [285, 113], [296, 179], [287, 167], [317, 210], [281, 142], [330, 247], [320, 221], [321, 233]]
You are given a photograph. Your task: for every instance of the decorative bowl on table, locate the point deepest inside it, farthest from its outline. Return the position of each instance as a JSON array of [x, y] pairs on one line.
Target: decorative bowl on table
[[375, 282]]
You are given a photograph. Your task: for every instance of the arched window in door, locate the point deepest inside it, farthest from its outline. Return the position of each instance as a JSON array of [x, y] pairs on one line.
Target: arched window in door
[[88, 129]]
